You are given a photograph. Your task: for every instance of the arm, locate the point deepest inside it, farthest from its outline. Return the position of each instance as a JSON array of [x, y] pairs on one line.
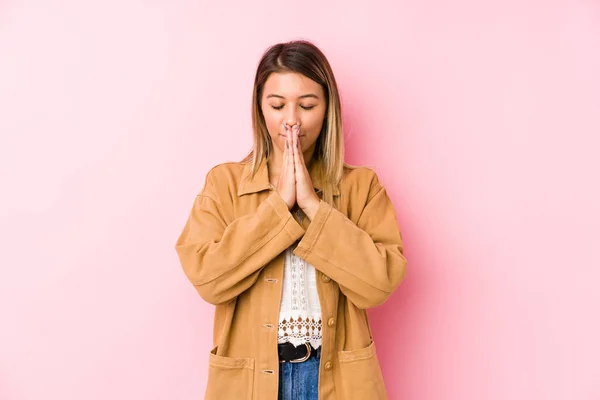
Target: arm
[[366, 259], [222, 260]]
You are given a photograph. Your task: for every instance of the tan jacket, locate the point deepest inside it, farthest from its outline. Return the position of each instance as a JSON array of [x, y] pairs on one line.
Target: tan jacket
[[232, 250]]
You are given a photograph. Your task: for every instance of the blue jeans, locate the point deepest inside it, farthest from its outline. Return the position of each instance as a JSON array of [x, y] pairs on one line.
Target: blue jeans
[[299, 381]]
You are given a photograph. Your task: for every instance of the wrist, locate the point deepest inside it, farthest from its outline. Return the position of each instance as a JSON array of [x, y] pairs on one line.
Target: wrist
[[312, 208]]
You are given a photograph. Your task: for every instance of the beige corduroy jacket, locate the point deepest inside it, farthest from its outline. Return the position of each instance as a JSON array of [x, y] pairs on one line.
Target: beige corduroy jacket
[[232, 250]]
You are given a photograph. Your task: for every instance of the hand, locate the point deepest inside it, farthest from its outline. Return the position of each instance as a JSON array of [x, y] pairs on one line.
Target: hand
[[286, 184], [306, 197]]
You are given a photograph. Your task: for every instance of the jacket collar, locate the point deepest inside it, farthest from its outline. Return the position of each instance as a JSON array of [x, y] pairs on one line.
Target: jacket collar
[[261, 178]]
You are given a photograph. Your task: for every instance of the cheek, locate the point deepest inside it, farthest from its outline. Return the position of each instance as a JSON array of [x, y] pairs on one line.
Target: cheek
[[314, 124], [272, 122]]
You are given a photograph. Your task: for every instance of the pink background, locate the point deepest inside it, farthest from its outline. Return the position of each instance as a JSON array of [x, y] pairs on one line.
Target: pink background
[[481, 118]]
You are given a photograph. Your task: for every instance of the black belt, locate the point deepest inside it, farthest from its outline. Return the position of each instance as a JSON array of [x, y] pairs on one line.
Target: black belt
[[289, 353]]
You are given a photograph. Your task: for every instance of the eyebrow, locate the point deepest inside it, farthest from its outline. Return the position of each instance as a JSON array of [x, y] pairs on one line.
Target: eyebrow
[[301, 97]]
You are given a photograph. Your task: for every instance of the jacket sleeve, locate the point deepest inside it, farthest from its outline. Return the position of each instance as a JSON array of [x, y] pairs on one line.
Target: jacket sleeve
[[365, 258], [224, 259]]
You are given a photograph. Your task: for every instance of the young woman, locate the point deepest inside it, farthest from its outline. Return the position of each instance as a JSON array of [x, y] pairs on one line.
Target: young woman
[[292, 246]]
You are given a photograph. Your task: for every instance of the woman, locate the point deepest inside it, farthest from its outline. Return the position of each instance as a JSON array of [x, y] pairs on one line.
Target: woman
[[292, 246]]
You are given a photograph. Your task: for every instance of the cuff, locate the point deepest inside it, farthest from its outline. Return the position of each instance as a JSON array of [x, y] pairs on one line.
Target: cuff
[[314, 230], [293, 228]]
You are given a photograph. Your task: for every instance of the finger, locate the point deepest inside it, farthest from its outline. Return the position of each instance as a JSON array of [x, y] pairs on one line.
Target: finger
[[287, 150], [285, 156], [299, 144], [286, 136], [298, 158], [290, 161], [293, 138]]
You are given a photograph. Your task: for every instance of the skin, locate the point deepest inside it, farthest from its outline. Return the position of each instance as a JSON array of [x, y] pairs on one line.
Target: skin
[[294, 110]]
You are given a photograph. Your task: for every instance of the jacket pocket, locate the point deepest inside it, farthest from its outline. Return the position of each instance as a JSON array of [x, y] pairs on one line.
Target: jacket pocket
[[361, 374], [229, 378]]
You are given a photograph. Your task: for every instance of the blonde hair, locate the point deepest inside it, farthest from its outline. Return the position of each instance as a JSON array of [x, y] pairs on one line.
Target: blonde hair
[[302, 57]]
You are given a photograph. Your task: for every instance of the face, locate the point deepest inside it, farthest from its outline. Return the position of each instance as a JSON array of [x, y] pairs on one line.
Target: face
[[294, 99]]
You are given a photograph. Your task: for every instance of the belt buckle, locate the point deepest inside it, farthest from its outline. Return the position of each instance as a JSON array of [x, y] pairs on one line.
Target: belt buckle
[[298, 360]]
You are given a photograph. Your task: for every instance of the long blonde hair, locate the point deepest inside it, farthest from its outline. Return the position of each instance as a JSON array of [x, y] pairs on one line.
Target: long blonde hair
[[303, 57]]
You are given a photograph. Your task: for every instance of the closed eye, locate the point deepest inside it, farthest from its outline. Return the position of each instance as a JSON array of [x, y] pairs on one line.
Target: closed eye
[[303, 107]]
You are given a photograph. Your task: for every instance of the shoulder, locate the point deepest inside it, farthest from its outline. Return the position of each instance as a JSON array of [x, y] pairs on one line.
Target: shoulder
[[223, 177], [361, 179], [229, 169]]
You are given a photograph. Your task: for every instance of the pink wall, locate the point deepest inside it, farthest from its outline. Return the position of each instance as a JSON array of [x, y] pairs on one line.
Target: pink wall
[[482, 119]]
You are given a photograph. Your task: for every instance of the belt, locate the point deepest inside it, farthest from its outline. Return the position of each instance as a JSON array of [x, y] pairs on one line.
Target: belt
[[289, 353]]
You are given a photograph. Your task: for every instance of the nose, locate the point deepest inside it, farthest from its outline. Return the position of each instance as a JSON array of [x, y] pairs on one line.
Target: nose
[[289, 124], [291, 118]]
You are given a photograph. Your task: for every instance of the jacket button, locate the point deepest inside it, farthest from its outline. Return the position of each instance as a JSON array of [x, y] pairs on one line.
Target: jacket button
[[328, 366], [325, 278], [331, 322]]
